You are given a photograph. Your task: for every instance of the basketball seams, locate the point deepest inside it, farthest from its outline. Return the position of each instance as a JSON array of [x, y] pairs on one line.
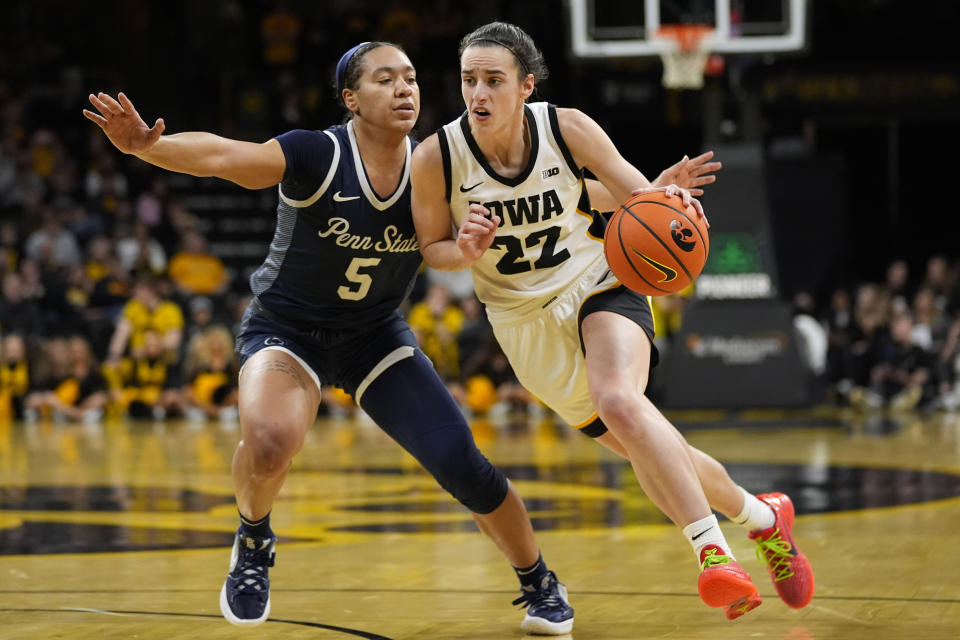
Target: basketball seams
[[626, 255], [693, 223], [704, 241], [664, 227], [655, 235]]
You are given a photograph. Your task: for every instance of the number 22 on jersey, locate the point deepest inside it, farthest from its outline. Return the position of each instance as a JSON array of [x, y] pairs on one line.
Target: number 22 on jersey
[[514, 260]]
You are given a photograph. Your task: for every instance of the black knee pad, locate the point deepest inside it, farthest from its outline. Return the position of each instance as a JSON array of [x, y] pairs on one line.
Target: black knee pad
[[451, 456], [412, 405]]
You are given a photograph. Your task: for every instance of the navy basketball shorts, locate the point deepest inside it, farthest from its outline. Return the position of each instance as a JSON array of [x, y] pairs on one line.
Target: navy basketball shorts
[[407, 398], [347, 358]]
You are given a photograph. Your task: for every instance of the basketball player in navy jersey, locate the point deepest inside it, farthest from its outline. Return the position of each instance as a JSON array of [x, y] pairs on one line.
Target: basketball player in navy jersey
[[510, 176]]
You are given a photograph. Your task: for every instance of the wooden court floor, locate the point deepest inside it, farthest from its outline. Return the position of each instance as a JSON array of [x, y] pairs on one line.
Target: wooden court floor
[[122, 530]]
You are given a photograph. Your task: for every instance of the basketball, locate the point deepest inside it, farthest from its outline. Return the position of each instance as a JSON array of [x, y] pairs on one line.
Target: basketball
[[655, 245]]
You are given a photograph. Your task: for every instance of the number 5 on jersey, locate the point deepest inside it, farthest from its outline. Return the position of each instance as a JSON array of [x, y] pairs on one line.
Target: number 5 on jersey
[[362, 281]]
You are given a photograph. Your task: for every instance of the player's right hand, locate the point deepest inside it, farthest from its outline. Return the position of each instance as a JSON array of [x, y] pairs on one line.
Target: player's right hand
[[477, 232], [122, 124], [673, 190]]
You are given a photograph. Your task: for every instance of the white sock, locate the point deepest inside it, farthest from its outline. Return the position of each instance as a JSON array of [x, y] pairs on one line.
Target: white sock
[[756, 515], [703, 532]]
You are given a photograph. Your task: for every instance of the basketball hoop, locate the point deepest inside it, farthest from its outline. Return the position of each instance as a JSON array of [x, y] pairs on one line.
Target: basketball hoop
[[683, 65]]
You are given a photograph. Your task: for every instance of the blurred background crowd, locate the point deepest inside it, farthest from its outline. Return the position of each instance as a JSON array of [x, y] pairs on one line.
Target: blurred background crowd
[[123, 285]]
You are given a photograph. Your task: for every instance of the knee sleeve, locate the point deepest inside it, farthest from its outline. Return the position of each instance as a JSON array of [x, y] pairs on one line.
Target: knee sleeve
[[452, 458], [412, 405]]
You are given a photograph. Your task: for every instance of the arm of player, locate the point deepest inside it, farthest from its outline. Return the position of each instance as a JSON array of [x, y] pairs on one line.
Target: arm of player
[[198, 153], [689, 173], [432, 219], [600, 197], [592, 148]]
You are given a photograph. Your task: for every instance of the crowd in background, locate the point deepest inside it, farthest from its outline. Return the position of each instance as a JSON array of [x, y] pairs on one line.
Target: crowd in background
[[112, 303], [894, 342]]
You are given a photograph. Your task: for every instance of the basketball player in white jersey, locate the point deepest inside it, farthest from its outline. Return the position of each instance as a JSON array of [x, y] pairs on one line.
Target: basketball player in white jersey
[[509, 174]]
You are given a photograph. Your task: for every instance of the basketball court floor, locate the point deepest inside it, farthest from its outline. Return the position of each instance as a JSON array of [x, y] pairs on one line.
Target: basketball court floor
[[122, 530]]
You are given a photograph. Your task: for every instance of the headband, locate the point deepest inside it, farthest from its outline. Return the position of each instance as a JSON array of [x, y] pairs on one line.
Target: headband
[[342, 66], [523, 64]]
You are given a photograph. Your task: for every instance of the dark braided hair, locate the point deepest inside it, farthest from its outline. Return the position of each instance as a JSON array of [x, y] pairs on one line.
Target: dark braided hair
[[515, 40]]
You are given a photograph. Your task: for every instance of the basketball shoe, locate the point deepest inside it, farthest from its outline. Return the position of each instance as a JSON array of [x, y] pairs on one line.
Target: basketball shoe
[[245, 596], [736, 609], [548, 612], [724, 583], [789, 569]]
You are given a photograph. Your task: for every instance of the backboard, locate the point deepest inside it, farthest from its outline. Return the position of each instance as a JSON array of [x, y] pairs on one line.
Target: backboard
[[619, 28]]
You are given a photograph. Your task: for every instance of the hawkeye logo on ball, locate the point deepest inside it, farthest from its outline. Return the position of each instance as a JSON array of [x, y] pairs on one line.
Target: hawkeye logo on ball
[[680, 233], [669, 275]]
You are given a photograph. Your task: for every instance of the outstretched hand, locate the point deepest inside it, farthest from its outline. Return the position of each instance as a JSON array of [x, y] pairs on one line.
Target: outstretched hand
[[122, 124], [690, 173]]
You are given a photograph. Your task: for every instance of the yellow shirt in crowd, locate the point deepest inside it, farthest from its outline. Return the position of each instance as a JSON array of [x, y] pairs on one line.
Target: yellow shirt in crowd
[[438, 336], [167, 316], [197, 273]]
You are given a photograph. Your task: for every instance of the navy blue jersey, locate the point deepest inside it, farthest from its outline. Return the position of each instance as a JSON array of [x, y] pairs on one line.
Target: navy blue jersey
[[341, 256]]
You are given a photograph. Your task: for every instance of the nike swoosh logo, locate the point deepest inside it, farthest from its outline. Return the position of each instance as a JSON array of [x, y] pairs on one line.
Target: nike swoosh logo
[[465, 189], [701, 533], [669, 275], [339, 198]]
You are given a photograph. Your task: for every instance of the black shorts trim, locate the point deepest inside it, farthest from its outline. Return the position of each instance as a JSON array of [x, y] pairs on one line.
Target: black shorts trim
[[627, 303], [595, 429]]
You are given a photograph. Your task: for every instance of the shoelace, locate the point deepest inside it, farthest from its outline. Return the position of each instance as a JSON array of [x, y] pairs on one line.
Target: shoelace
[[743, 608], [775, 551], [547, 595], [711, 559], [251, 569]]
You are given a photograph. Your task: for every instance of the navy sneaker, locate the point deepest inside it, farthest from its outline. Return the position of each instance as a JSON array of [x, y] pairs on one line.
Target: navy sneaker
[[548, 612], [245, 596]]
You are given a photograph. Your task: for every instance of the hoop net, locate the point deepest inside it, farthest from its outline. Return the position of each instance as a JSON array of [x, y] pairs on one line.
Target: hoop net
[[683, 66]]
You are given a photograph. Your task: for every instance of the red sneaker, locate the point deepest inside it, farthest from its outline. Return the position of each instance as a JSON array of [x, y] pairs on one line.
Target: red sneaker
[[724, 583], [736, 609], [789, 569]]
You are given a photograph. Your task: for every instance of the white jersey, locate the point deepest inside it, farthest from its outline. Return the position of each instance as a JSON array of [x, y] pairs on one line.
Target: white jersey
[[547, 236]]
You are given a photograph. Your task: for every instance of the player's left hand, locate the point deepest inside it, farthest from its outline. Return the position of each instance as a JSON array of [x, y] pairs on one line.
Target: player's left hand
[[690, 173], [673, 190]]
